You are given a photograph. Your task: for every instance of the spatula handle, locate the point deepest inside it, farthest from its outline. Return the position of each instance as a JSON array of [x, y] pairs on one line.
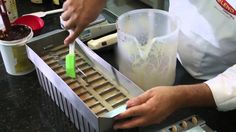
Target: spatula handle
[[72, 48], [71, 45], [54, 11]]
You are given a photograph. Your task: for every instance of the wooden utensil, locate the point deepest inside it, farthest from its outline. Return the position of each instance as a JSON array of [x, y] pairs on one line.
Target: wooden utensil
[[5, 18]]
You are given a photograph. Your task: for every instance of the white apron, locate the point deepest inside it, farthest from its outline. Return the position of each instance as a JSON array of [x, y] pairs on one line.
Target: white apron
[[207, 44]]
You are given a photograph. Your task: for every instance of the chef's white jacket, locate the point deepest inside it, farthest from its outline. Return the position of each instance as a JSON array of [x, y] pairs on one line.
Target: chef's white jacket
[[207, 45]]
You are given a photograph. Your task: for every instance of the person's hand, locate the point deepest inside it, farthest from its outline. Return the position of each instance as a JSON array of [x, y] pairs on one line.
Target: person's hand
[[156, 104], [149, 108], [78, 14]]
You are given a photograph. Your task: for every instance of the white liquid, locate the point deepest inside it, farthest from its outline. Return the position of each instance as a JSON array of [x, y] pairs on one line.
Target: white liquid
[[149, 65]]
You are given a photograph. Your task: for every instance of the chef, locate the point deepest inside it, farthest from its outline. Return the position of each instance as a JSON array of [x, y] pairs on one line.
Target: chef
[[207, 50]]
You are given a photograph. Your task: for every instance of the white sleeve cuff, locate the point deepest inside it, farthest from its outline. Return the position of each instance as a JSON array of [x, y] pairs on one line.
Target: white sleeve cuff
[[223, 88]]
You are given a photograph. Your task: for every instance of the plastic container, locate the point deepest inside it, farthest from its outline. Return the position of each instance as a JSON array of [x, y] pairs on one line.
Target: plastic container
[[147, 44], [36, 23], [15, 57]]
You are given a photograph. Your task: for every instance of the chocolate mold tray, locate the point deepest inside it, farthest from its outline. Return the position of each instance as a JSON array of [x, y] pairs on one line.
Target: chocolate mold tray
[[98, 92], [95, 96]]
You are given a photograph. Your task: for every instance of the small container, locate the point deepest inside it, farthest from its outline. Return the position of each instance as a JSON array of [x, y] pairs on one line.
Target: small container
[[36, 23], [15, 56]]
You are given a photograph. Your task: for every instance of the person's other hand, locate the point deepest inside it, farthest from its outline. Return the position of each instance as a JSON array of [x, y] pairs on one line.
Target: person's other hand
[[149, 108], [78, 14], [156, 104]]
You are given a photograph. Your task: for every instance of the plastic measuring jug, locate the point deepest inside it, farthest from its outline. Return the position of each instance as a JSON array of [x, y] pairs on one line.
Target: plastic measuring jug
[[147, 45]]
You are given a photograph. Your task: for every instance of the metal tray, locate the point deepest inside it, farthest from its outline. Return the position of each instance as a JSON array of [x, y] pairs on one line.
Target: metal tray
[[191, 124], [89, 102]]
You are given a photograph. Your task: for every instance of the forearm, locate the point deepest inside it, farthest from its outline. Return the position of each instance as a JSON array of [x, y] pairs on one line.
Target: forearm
[[194, 95]]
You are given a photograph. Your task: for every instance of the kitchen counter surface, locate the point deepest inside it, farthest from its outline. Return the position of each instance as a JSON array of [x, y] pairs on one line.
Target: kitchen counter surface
[[24, 106]]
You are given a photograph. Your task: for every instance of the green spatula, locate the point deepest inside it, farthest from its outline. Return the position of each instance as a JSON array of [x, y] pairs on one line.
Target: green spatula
[[70, 61]]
